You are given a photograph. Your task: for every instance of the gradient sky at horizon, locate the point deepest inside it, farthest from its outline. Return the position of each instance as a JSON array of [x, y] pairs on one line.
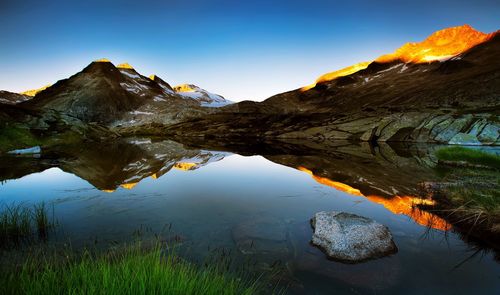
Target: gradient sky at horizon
[[241, 50]]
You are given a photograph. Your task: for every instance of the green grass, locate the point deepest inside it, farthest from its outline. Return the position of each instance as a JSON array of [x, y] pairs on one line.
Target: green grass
[[472, 156], [134, 270], [19, 223], [473, 196]]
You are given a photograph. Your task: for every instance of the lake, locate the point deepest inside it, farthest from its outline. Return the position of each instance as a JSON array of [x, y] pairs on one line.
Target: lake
[[256, 200]]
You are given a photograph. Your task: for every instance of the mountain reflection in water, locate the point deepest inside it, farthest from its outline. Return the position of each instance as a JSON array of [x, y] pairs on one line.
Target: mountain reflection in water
[[250, 198], [406, 205], [382, 176]]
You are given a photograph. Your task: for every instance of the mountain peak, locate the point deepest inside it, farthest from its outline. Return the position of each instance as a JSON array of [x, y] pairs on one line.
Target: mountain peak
[[440, 45], [125, 66], [161, 82], [102, 60]]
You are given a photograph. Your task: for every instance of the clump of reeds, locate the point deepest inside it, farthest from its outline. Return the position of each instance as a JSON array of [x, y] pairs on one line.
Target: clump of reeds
[[20, 223]]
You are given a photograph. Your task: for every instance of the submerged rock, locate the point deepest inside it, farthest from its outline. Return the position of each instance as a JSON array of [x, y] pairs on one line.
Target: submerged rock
[[266, 235], [351, 238]]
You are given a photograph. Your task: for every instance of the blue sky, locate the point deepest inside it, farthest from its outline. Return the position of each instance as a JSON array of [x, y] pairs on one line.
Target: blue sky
[[241, 50]]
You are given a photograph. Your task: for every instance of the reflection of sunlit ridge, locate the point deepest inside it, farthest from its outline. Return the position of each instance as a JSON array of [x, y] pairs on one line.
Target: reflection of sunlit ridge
[[185, 166], [337, 185], [405, 205], [441, 45], [129, 185]]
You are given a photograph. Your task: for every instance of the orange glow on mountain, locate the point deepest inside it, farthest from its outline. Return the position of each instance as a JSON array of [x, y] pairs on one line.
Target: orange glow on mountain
[[102, 60], [184, 88], [125, 66], [130, 185], [185, 166], [33, 92], [405, 205], [340, 73], [108, 190], [154, 176], [441, 45]]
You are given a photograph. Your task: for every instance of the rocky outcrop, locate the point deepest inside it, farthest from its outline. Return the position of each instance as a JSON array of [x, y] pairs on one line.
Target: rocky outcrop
[[351, 238]]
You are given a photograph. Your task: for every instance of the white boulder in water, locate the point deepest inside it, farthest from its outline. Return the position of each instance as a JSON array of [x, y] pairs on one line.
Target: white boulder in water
[[351, 238]]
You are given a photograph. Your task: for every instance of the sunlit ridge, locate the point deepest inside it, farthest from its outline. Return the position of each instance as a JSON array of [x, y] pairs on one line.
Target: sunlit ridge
[[441, 45], [125, 66], [34, 92], [184, 88], [340, 73]]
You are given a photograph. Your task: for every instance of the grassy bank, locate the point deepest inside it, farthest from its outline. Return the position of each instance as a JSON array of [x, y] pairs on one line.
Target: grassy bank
[[133, 270], [469, 156], [469, 194]]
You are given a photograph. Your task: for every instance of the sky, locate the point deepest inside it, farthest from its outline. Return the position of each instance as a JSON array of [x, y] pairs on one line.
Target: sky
[[239, 49]]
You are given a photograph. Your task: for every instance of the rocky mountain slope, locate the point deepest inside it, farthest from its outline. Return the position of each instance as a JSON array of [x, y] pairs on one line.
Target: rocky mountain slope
[[7, 97], [114, 96], [450, 96]]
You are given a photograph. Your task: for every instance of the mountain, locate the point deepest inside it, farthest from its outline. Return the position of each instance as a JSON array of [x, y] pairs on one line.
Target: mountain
[[115, 96], [206, 99], [7, 97], [444, 89], [448, 96]]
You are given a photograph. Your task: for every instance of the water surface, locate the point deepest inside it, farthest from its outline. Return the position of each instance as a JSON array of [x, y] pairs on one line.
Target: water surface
[[257, 200]]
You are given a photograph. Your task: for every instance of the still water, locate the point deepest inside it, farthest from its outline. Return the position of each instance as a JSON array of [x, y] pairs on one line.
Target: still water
[[257, 200]]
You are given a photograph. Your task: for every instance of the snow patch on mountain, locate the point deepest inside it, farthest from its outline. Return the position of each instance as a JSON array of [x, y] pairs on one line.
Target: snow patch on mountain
[[205, 98]]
